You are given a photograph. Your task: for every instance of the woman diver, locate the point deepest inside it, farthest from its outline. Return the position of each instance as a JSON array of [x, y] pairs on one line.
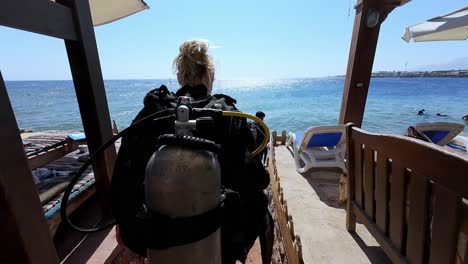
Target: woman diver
[[246, 216]]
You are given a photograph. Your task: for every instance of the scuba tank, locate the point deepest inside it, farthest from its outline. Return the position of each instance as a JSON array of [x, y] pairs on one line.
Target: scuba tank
[[172, 224], [181, 182]]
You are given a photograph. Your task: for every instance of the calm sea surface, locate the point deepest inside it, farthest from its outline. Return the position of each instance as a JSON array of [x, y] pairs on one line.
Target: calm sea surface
[[294, 104]]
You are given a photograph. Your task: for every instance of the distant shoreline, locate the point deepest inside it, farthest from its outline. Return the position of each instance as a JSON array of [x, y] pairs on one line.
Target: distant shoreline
[[420, 74], [379, 74], [414, 76]]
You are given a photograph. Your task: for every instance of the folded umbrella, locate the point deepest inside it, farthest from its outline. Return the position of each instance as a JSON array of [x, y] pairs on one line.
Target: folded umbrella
[[107, 11], [453, 26]]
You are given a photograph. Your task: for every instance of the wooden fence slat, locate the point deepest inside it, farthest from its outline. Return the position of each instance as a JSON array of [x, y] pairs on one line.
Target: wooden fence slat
[[397, 204], [351, 189], [369, 181], [417, 218], [465, 261], [380, 237], [445, 226], [358, 173], [275, 138], [381, 189]]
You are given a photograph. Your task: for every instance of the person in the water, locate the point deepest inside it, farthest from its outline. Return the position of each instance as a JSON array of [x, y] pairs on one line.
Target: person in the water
[[421, 112], [465, 117]]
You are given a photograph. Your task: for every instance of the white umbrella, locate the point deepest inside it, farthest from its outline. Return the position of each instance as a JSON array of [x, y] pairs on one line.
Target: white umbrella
[[453, 26], [104, 12]]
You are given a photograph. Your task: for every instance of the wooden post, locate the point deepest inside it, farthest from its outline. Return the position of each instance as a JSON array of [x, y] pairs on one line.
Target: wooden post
[[89, 86], [24, 233], [361, 58], [351, 190]]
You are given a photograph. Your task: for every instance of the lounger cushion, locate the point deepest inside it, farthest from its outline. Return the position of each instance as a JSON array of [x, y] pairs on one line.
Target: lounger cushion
[[319, 140], [77, 136], [436, 136], [440, 133], [324, 140]]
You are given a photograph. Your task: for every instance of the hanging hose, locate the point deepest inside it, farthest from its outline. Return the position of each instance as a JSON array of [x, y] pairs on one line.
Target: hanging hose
[[259, 121], [153, 117], [74, 180]]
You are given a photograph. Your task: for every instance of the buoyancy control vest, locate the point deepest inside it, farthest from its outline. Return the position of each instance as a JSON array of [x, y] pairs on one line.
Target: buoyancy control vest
[[243, 177]]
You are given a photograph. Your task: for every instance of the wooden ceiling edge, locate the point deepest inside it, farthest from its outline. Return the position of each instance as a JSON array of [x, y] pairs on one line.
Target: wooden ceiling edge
[[43, 17], [404, 2], [388, 5]]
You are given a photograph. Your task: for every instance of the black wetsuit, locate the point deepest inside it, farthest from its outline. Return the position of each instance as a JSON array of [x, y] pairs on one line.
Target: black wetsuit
[[240, 172]]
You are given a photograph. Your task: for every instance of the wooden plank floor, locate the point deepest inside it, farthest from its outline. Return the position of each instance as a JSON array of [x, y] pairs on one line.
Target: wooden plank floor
[[318, 219]]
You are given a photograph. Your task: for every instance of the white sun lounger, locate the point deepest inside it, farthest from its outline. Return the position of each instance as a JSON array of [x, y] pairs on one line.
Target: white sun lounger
[[319, 147], [443, 133]]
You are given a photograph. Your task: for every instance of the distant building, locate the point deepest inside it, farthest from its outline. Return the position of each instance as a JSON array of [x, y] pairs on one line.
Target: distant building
[[410, 74]]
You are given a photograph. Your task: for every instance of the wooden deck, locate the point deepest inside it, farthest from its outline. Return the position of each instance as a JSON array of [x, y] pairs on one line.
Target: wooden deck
[[312, 201]]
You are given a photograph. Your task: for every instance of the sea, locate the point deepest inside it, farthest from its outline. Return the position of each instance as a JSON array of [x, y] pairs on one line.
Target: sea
[[289, 104]]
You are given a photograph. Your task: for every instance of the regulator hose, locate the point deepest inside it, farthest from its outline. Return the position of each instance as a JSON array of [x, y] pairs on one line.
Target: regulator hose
[[153, 117], [259, 121]]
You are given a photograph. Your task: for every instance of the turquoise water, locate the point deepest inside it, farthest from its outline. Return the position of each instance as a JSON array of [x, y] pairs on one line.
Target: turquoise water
[[294, 104]]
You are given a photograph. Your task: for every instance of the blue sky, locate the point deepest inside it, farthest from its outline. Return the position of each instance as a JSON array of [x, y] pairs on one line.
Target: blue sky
[[262, 39]]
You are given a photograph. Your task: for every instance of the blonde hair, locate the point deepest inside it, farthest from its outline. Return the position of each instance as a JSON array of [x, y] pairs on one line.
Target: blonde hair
[[194, 65]]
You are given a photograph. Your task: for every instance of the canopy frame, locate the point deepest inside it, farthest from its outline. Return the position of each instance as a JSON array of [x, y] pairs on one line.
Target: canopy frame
[[361, 56]]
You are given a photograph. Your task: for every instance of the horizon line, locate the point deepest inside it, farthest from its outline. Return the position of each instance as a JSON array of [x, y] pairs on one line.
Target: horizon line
[[173, 79], [235, 79]]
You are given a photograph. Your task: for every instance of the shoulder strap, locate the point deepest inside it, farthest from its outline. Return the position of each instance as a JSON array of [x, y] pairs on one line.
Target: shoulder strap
[[216, 102], [227, 98]]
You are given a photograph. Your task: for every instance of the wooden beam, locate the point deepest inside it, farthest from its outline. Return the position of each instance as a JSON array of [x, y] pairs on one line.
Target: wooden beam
[[38, 16], [361, 59], [24, 233], [89, 86]]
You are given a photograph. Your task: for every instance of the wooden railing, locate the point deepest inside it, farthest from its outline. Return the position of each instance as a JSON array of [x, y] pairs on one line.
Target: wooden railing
[[278, 140], [408, 194], [291, 240]]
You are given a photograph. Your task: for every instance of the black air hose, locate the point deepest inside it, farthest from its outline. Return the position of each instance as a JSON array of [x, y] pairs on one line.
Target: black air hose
[[63, 206]]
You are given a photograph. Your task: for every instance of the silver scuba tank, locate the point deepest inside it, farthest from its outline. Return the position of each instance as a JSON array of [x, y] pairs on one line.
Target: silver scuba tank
[[183, 182]]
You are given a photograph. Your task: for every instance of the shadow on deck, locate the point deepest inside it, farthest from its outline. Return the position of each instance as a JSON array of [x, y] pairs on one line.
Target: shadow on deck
[[319, 218], [325, 182]]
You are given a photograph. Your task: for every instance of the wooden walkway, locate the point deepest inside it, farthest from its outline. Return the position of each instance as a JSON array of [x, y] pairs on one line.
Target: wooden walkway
[[320, 222]]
